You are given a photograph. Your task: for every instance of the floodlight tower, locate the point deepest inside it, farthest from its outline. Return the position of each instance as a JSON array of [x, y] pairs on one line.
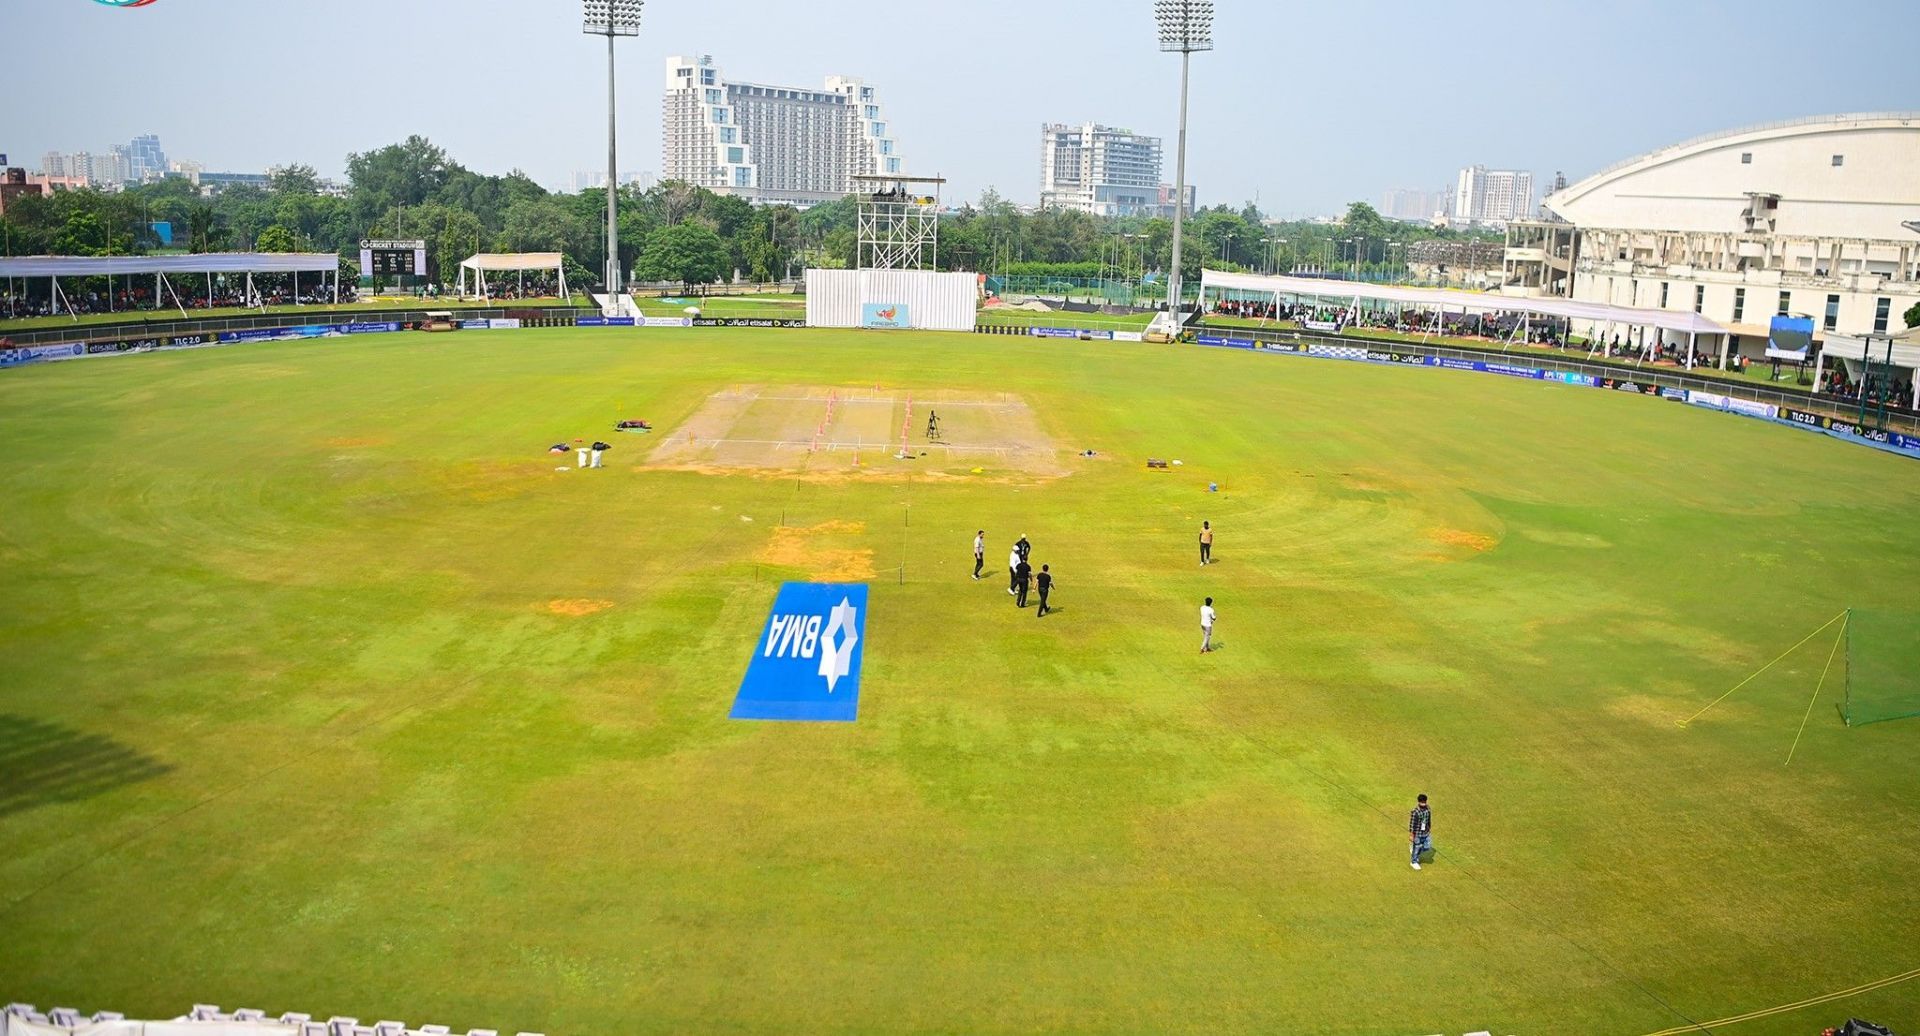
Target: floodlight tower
[[611, 18], [1185, 26]]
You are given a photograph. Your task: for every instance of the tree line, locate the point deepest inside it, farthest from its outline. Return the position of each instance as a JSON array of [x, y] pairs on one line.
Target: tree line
[[671, 232]]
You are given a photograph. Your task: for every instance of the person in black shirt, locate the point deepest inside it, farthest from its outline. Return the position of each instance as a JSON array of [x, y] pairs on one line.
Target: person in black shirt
[[1022, 578], [1044, 581], [1025, 548]]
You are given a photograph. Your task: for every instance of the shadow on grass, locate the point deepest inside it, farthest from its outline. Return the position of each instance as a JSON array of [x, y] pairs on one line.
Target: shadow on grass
[[44, 763]]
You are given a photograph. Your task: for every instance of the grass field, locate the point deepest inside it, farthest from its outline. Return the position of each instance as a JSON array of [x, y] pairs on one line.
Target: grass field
[[325, 691], [1091, 321], [773, 307]]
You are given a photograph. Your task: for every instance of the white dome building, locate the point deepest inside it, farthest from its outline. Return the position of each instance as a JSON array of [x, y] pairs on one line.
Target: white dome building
[[1818, 217]]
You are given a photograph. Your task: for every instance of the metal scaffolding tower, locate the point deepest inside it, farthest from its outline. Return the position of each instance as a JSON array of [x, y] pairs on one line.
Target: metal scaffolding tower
[[899, 226]]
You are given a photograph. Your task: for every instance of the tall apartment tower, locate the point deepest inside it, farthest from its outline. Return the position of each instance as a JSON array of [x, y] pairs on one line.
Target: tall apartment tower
[[1483, 195], [1099, 170], [771, 144]]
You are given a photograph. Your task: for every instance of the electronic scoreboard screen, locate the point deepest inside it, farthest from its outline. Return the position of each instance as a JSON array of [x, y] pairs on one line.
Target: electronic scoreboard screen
[[393, 258]]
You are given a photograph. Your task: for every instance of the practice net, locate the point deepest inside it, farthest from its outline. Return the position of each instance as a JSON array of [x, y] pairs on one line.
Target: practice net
[[1883, 666]]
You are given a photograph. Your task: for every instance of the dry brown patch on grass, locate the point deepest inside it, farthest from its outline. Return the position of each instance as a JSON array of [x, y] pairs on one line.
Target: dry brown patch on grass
[[574, 607], [1642, 708], [1475, 541], [800, 547]]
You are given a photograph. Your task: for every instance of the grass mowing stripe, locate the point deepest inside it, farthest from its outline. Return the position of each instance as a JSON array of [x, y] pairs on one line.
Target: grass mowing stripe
[[252, 779], [1471, 874]]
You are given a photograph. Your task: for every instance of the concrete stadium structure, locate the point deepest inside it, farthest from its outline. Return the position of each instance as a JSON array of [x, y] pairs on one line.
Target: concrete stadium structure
[[1813, 217]]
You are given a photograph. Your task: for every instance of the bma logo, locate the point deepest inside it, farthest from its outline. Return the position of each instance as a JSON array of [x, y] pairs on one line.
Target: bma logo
[[806, 664]]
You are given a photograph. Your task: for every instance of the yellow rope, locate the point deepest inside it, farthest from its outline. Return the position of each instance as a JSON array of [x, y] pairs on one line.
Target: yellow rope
[[1763, 668], [1816, 693], [1797, 1005]]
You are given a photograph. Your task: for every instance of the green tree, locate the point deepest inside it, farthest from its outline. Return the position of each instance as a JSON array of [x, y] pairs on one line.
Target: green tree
[[1912, 315], [689, 252], [1363, 220], [295, 179], [277, 238], [202, 233], [406, 174]]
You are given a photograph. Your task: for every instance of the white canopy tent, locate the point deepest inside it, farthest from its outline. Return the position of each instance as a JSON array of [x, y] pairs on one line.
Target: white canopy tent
[[54, 267], [481, 262], [1595, 314], [1899, 351]]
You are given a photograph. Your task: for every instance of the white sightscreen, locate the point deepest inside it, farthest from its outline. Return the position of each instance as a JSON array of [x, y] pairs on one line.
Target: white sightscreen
[[918, 299]]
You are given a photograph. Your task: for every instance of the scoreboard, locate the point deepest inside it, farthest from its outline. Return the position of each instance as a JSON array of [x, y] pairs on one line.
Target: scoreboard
[[393, 258]]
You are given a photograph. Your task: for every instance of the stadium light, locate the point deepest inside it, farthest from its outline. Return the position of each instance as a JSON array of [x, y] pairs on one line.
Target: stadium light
[[1185, 26], [611, 18]]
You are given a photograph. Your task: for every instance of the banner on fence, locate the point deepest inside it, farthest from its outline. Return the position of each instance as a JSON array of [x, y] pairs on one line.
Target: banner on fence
[[746, 322], [1070, 332], [280, 334], [1129, 336], [16, 355]]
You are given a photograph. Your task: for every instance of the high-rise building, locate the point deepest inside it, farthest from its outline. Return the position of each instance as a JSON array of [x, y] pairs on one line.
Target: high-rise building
[[1483, 195], [771, 144], [1098, 169], [1406, 203], [588, 179], [56, 165], [145, 160]]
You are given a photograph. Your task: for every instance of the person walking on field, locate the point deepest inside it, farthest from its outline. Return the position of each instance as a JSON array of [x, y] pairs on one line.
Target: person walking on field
[[1206, 626], [1206, 543], [1420, 830], [979, 552], [1044, 583], [1013, 570], [1023, 578]]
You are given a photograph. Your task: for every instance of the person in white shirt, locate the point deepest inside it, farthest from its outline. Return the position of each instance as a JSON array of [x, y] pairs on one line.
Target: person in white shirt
[[1206, 626], [1013, 570], [979, 552]]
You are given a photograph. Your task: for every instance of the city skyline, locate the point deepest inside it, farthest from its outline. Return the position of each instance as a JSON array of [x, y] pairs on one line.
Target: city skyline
[[1418, 121]]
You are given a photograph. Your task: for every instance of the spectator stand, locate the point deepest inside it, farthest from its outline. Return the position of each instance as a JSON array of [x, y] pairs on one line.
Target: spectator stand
[[508, 262], [1599, 319], [1881, 369], [54, 267]]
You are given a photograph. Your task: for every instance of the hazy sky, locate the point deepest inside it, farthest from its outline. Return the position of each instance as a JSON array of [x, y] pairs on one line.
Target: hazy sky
[[1306, 105]]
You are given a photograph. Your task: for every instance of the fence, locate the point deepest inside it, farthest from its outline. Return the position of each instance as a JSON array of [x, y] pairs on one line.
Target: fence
[[1905, 421], [555, 316]]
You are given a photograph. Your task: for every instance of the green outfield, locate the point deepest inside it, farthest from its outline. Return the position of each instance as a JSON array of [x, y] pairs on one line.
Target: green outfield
[[324, 690]]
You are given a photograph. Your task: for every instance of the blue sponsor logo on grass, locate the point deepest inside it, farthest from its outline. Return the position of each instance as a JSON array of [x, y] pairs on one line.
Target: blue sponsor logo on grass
[[806, 665]]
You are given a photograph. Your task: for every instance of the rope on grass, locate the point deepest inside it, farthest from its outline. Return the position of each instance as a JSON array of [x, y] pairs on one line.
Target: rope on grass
[[1866, 987], [1816, 692], [1763, 669]]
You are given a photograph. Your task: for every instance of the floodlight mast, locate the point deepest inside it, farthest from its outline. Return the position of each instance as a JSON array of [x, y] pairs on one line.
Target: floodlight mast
[[1185, 26], [612, 18]]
